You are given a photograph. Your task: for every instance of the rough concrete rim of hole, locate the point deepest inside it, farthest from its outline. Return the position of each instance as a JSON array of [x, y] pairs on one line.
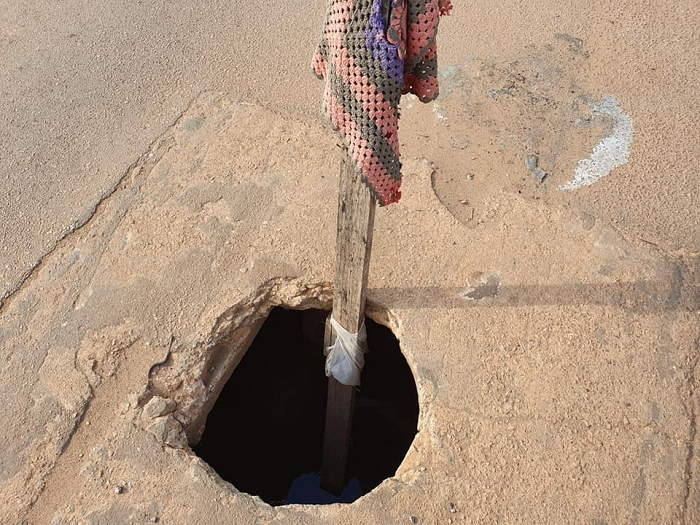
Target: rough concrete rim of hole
[[183, 389]]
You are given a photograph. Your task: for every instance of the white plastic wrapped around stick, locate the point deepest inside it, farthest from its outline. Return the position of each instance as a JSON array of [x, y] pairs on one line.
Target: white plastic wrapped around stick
[[345, 358]]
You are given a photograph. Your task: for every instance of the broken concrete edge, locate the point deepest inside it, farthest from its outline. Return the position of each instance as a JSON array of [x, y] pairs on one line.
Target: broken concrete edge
[[167, 434], [176, 420], [187, 385], [24, 489], [172, 420]]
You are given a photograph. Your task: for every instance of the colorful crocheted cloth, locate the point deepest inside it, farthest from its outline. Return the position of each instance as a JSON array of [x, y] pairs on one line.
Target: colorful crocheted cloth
[[370, 53]]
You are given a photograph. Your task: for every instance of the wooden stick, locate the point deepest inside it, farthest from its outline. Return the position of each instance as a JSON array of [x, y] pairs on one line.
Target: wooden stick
[[353, 249]]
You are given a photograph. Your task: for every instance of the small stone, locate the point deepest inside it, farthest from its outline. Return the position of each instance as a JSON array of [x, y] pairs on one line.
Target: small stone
[[458, 142], [88, 470], [539, 174], [154, 519], [452, 508], [118, 489], [587, 221], [413, 519], [169, 431], [158, 406], [531, 162]]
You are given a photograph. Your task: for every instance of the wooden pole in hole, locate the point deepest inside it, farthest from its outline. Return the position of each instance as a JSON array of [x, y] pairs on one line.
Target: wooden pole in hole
[[356, 207]]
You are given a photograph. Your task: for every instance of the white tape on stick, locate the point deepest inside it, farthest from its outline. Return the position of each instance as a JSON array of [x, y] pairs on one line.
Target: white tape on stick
[[345, 358]]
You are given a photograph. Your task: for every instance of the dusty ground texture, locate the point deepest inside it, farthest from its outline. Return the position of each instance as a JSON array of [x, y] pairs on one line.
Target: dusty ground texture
[[83, 92], [556, 360], [553, 332]]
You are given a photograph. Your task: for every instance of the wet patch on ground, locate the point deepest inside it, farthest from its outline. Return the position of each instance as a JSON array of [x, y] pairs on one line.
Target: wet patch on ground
[[524, 125]]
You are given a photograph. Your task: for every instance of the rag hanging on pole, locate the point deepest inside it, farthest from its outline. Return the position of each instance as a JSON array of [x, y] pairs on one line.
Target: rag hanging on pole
[[371, 52]]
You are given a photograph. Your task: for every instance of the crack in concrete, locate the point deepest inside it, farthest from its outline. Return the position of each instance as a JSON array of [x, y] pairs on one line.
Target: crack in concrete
[[138, 171], [674, 255], [120, 185], [692, 433], [130, 181]]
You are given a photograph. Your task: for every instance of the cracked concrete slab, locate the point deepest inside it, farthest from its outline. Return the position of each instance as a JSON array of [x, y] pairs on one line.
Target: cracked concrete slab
[[569, 394], [83, 92]]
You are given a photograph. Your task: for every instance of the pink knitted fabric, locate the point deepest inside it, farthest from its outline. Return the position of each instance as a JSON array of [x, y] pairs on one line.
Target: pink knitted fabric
[[370, 53]]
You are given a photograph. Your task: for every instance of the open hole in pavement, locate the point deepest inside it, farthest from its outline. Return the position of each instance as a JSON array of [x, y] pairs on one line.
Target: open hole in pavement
[[265, 432]]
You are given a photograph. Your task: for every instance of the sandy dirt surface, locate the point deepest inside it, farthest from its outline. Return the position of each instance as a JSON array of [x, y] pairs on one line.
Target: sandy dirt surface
[[552, 326], [84, 91], [85, 88]]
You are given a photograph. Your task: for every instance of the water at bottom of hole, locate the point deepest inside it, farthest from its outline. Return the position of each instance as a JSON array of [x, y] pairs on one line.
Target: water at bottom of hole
[[306, 490], [265, 432]]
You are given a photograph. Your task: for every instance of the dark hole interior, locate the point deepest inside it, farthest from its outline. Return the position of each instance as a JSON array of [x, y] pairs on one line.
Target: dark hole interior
[[265, 432]]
